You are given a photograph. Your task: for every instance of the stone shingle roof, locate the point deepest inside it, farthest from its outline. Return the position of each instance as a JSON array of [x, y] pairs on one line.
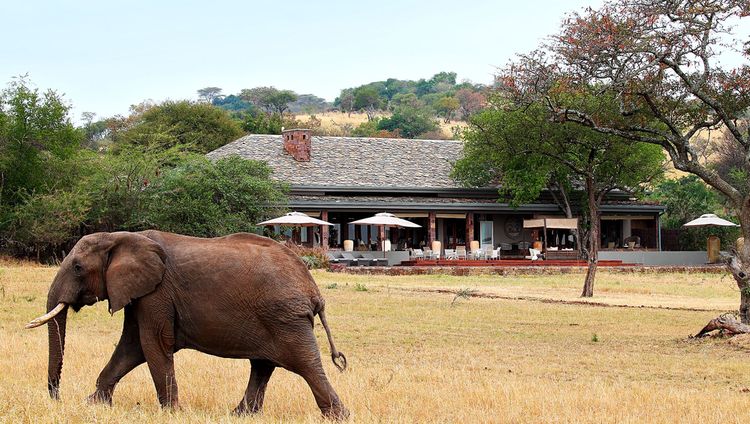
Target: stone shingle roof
[[354, 161]]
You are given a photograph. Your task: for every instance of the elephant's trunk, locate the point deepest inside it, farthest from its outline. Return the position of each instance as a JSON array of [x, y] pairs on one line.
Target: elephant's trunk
[[56, 330]]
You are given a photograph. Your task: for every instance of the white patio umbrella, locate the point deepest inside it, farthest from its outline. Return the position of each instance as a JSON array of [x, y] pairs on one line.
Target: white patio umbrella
[[710, 220], [295, 219], [385, 219]]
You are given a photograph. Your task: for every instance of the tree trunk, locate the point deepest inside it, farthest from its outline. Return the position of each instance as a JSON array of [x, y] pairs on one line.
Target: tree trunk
[[727, 324], [593, 240], [739, 264]]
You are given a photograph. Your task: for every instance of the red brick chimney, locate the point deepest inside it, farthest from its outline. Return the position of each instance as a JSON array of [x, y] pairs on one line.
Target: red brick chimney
[[298, 143]]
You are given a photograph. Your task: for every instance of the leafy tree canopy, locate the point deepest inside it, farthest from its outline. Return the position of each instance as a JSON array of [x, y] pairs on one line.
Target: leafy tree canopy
[[233, 103], [687, 198], [392, 93], [308, 103], [408, 122], [269, 98], [523, 152], [195, 127], [662, 61], [208, 199], [36, 141]]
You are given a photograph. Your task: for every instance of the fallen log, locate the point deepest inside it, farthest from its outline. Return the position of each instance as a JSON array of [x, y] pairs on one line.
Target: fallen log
[[726, 324]]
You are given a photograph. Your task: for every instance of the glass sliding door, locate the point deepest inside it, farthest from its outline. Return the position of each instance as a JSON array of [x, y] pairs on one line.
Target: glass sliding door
[[485, 234]]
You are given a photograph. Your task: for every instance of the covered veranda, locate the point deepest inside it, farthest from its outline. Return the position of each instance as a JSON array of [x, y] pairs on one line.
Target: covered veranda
[[475, 223]]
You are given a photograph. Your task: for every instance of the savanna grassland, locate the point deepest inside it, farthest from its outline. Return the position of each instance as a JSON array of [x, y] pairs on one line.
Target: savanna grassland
[[418, 355], [334, 122]]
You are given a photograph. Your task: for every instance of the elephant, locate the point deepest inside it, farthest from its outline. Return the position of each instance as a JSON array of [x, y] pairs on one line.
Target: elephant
[[237, 296]]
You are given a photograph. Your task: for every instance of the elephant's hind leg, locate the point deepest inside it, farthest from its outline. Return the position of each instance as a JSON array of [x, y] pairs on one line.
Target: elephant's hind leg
[[127, 355], [303, 357], [260, 373]]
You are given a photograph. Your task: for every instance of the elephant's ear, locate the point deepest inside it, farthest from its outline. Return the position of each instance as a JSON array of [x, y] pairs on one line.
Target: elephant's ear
[[136, 266]]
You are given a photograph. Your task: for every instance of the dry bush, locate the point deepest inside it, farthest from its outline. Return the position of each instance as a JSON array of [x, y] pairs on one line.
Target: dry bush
[[313, 257]]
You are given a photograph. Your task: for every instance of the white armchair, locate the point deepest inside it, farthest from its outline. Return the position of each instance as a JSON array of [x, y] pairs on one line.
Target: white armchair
[[534, 254]]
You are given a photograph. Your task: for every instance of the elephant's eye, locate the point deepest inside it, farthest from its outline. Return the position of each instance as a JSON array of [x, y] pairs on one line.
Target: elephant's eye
[[77, 268]]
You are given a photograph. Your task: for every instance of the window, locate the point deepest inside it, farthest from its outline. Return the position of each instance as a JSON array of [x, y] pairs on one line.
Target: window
[[485, 233]]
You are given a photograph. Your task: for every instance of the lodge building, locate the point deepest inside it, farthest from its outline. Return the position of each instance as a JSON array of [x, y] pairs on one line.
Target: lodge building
[[342, 179]]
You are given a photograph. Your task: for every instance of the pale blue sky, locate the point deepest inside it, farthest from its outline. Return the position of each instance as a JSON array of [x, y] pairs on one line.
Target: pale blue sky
[[105, 56]]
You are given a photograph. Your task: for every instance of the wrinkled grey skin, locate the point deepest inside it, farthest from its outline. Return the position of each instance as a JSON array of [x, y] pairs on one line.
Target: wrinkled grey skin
[[239, 296]]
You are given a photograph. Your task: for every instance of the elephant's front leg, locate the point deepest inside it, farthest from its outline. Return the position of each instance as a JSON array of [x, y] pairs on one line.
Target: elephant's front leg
[[156, 329], [127, 355]]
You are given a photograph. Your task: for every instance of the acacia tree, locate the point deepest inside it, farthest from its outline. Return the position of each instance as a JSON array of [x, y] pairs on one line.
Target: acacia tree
[[269, 98], [367, 98], [661, 60], [346, 101], [446, 107], [208, 94], [470, 102], [524, 153]]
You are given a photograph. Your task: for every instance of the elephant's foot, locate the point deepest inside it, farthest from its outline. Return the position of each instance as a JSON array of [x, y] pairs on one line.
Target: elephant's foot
[[245, 408], [100, 397], [336, 412], [171, 405]]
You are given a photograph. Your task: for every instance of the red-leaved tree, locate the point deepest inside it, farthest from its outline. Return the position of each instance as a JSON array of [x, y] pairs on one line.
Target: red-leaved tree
[[677, 71]]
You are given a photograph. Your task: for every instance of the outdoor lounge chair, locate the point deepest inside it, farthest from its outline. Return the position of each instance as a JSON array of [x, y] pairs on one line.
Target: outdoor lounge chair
[[363, 260], [450, 254], [373, 260], [428, 253], [632, 239], [460, 252], [488, 252], [337, 258], [350, 257], [505, 248], [332, 258], [417, 254]]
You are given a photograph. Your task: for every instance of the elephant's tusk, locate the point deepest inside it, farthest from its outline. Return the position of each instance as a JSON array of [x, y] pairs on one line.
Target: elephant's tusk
[[36, 322]]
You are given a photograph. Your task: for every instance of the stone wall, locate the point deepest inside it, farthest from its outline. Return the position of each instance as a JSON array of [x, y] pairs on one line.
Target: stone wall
[[535, 270]]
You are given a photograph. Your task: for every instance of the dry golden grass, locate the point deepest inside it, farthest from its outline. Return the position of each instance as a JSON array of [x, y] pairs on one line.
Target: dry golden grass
[[415, 358], [333, 122]]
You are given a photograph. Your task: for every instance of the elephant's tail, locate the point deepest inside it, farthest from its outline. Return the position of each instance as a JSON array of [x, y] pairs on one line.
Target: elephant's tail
[[335, 354]]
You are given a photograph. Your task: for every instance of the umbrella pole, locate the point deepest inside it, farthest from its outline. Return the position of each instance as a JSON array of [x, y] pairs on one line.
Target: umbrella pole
[[381, 234]]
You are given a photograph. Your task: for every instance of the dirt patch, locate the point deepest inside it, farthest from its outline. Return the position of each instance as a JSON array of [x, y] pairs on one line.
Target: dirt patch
[[485, 295]]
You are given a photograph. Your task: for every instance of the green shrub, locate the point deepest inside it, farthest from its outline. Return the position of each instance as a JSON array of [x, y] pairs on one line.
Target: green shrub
[[313, 257]]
